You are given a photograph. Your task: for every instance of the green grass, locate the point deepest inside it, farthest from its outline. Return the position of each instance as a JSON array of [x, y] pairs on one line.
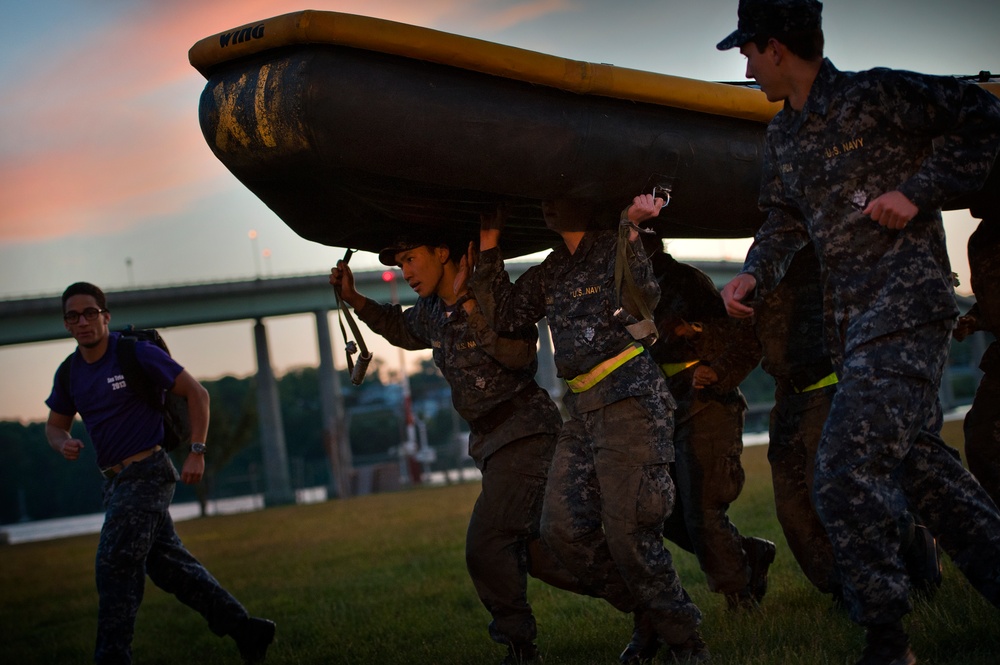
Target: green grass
[[381, 579]]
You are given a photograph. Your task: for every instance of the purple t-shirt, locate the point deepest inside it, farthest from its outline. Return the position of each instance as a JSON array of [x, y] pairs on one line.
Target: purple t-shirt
[[120, 422]]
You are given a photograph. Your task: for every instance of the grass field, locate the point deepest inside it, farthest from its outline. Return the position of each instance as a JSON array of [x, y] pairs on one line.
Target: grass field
[[381, 579]]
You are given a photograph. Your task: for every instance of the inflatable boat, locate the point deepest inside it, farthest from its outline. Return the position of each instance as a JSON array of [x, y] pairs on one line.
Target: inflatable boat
[[354, 130]]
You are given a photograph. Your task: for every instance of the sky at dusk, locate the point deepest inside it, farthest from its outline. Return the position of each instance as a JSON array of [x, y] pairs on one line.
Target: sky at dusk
[[105, 175]]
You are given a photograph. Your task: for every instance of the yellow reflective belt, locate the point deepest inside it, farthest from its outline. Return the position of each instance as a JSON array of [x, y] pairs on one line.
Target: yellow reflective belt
[[827, 380], [676, 368], [594, 376]]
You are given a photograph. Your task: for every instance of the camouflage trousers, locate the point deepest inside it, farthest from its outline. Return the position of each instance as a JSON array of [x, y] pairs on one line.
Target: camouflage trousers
[[608, 495], [708, 475], [875, 456], [137, 539], [982, 435], [796, 424], [503, 546]]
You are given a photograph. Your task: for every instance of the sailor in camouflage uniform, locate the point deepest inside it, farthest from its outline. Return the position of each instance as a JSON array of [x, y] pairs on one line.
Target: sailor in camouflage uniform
[[609, 487], [789, 325], [705, 355], [513, 424], [982, 422], [860, 163]]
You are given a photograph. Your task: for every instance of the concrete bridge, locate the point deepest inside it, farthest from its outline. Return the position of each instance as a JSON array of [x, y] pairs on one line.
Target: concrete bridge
[[39, 319]]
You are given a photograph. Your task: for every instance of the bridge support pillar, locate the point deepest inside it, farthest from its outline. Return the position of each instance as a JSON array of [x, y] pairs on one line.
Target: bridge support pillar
[[336, 438], [278, 489]]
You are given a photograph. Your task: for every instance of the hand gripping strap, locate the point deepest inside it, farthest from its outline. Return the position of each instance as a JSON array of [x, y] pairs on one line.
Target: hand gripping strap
[[640, 330]]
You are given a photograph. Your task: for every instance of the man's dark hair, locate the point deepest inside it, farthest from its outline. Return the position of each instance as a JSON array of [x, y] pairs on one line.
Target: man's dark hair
[[807, 44], [455, 250], [85, 289]]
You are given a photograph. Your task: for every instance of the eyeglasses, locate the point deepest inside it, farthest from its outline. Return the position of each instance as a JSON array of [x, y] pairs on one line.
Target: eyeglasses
[[91, 314]]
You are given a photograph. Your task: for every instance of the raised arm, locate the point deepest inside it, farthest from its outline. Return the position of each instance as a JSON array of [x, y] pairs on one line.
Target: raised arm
[[400, 328], [513, 352], [342, 281], [643, 207], [490, 228], [507, 307]]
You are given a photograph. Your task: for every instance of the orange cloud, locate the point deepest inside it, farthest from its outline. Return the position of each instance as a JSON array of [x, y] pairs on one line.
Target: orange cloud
[[106, 133], [55, 193], [522, 12]]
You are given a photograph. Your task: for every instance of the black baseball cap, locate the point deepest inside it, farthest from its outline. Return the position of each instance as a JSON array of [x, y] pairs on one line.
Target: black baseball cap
[[410, 240], [772, 17]]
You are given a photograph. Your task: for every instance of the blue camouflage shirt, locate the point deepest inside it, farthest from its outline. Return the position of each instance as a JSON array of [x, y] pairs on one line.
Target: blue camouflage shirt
[[577, 295], [485, 370], [789, 322], [860, 135]]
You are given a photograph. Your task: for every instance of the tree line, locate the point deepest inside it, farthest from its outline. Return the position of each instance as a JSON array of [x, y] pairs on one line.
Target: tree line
[[36, 483]]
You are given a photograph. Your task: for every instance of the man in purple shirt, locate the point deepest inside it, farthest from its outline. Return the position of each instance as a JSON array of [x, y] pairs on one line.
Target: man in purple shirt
[[138, 536]]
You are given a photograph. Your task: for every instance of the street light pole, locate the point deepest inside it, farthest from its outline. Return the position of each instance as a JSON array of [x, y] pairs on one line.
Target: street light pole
[[267, 262], [256, 255]]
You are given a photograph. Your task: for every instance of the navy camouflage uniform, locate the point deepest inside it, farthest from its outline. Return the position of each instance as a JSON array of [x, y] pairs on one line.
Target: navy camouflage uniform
[[789, 324], [138, 539], [708, 429], [514, 424], [858, 136], [982, 422], [609, 488]]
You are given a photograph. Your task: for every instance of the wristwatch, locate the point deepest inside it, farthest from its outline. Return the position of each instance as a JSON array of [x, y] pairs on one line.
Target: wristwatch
[[198, 448]]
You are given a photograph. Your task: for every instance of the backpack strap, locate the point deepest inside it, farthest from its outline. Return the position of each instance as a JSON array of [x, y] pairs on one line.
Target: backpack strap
[[63, 378], [135, 376]]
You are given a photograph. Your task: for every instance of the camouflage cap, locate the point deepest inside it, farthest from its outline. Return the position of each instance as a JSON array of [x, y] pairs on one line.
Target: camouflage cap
[[772, 17], [411, 240]]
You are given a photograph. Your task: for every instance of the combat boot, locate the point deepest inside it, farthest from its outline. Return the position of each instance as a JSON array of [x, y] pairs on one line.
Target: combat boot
[[741, 601], [760, 556], [521, 653], [644, 644], [518, 651], [887, 644], [922, 558], [253, 636], [692, 650]]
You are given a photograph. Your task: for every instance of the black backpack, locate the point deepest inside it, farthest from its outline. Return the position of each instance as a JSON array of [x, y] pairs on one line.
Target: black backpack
[[176, 420]]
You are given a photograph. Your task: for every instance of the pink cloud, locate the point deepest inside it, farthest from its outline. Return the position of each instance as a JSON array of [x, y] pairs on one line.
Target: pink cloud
[[61, 192], [518, 13], [107, 134]]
